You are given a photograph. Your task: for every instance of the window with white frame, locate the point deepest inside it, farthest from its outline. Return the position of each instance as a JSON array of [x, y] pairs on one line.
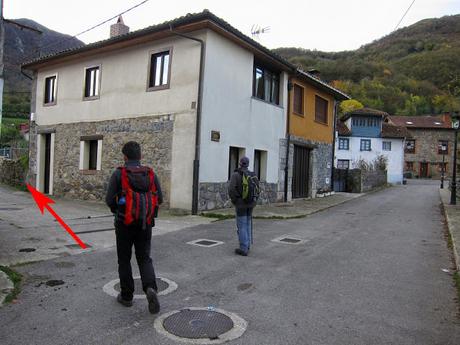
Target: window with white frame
[[365, 145], [344, 144], [50, 90], [343, 164], [91, 152], [159, 73], [386, 145], [92, 82], [266, 84], [260, 164]]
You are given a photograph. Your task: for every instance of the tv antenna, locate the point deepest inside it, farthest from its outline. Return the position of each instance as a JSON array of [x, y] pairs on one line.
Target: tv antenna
[[256, 30]]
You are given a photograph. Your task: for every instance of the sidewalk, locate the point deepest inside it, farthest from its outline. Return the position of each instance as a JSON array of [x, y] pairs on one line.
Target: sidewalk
[[298, 208], [452, 213]]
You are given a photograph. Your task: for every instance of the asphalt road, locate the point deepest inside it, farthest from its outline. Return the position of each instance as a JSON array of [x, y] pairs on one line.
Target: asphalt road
[[368, 272]]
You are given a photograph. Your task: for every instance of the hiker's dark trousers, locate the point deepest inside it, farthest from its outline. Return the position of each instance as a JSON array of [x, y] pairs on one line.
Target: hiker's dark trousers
[[127, 236]]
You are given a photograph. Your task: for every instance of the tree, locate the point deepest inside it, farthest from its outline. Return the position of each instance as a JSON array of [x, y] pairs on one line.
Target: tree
[[349, 105]]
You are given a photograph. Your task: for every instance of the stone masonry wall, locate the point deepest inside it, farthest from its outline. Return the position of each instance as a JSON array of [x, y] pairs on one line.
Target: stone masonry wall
[[215, 195], [12, 172], [154, 134], [426, 151], [360, 181]]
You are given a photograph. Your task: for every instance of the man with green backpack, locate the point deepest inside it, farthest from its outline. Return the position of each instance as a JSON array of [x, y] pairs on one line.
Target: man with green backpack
[[244, 191]]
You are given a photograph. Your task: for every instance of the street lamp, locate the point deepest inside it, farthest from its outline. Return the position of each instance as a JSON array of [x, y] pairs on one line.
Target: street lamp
[[443, 148], [453, 188]]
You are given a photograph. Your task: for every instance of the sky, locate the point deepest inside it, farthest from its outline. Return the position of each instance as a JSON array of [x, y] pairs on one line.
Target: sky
[[325, 25]]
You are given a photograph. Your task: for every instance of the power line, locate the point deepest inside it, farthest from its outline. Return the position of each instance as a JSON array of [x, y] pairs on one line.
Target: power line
[[91, 28], [403, 15]]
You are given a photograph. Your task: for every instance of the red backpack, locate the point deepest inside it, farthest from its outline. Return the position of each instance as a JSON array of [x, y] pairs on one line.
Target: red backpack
[[139, 206]]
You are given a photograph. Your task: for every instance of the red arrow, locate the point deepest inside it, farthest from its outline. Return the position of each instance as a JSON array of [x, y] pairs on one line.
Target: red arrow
[[42, 203]]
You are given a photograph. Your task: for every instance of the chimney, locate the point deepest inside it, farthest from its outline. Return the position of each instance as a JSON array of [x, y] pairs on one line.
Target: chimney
[[119, 28]]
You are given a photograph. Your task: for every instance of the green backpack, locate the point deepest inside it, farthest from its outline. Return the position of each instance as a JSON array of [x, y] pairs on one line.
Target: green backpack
[[251, 189]]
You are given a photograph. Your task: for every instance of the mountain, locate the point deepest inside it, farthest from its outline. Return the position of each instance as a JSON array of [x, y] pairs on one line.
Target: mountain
[[414, 70], [22, 44]]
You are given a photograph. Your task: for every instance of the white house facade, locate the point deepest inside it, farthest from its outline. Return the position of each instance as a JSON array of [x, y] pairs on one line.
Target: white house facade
[[364, 136], [194, 92]]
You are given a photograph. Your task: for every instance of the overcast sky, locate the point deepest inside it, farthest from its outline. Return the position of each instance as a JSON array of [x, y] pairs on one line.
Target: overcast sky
[[327, 25]]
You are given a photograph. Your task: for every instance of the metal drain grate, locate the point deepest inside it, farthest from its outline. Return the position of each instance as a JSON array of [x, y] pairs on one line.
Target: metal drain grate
[[205, 242], [198, 324], [290, 240], [162, 285], [10, 209]]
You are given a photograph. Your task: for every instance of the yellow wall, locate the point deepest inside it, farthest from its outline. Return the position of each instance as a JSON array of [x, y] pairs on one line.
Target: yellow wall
[[305, 126]]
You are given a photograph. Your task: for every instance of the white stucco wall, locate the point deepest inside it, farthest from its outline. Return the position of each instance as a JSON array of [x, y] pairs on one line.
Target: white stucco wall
[[228, 107], [124, 76], [395, 156]]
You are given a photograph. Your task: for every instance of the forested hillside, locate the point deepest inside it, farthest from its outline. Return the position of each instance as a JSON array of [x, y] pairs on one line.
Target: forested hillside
[[414, 70]]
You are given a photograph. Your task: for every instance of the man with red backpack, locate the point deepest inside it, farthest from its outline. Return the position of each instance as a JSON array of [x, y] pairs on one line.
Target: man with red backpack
[[133, 196]]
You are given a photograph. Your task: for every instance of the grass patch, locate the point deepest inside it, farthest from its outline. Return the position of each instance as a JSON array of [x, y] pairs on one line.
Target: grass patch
[[14, 121], [16, 278], [457, 283]]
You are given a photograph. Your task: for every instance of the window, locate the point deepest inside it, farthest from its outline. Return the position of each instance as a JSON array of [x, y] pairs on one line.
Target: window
[[159, 73], [443, 147], [410, 146], [92, 82], [321, 106], [50, 90], [260, 164], [266, 84], [298, 99], [90, 152], [344, 144], [365, 145], [409, 166], [386, 145], [343, 164]]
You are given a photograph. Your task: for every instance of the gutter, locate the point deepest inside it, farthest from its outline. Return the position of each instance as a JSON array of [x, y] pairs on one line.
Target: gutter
[[288, 142], [196, 160], [336, 104]]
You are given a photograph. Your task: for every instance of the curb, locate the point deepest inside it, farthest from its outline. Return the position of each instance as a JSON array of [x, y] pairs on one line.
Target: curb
[[222, 216], [450, 230]]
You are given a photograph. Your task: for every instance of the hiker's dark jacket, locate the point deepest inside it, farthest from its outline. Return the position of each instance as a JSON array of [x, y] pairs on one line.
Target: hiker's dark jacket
[[235, 190], [115, 190]]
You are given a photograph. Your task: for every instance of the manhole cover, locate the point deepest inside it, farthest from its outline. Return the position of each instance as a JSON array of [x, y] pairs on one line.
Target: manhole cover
[[161, 284], [198, 324], [205, 242], [165, 286], [201, 325]]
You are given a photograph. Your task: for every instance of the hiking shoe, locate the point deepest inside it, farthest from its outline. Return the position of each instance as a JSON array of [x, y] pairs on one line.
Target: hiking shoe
[[240, 252], [125, 302], [152, 298]]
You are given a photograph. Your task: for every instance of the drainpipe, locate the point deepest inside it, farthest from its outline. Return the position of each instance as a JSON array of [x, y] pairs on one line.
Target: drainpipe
[[196, 161], [336, 104], [288, 143]]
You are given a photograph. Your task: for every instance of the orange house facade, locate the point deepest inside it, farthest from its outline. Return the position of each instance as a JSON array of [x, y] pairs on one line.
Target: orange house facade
[[310, 136]]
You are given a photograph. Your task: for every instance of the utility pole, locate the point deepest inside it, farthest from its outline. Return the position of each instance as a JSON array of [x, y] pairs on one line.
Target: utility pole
[[2, 45], [453, 189]]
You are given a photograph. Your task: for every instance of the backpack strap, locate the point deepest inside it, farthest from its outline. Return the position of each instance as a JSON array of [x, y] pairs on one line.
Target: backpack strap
[[128, 194]]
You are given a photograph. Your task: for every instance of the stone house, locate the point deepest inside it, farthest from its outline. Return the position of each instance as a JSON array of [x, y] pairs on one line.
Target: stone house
[[195, 92], [364, 135], [431, 146]]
